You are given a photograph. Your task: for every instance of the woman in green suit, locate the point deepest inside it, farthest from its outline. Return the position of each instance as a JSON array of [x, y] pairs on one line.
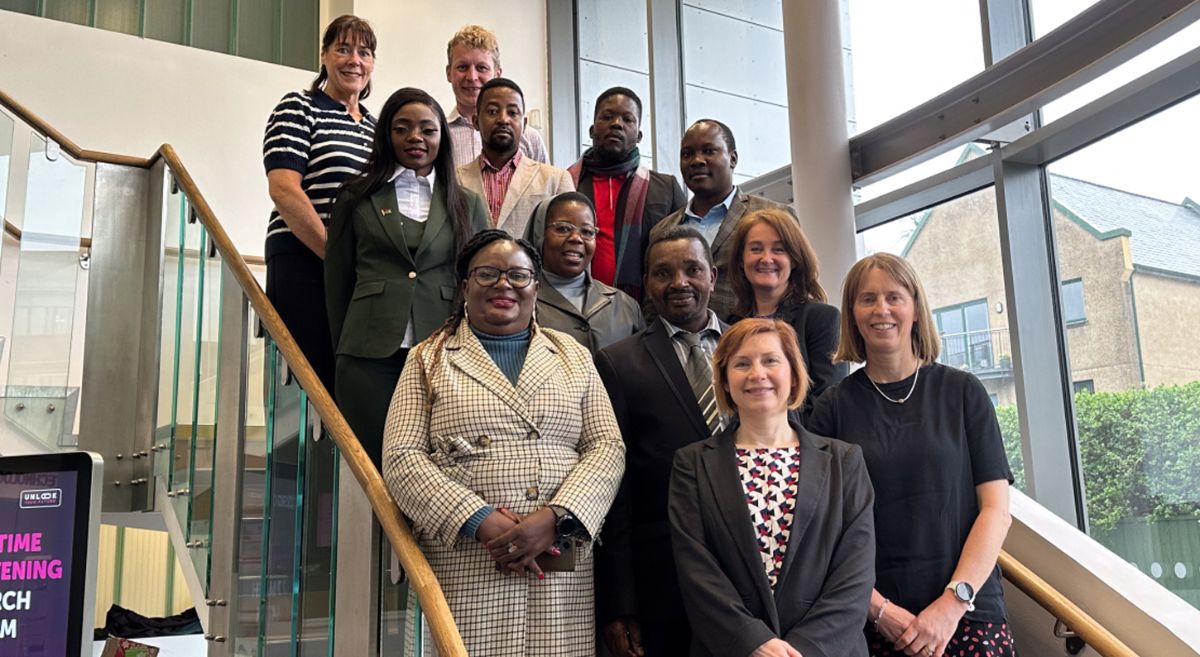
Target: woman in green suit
[[389, 256]]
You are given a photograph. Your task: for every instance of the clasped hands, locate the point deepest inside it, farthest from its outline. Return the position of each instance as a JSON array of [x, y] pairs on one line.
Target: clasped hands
[[514, 541], [927, 633]]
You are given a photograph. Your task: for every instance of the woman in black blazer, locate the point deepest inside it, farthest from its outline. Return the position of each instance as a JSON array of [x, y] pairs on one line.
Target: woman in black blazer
[[771, 526], [773, 272], [389, 257]]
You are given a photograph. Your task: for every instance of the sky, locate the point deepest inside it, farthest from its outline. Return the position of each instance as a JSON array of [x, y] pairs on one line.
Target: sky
[[907, 52]]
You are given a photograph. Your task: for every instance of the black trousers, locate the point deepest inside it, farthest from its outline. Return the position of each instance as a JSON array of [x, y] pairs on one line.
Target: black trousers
[[667, 638], [364, 392], [296, 287]]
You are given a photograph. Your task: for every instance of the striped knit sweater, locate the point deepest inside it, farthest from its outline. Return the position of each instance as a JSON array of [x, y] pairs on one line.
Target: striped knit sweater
[[314, 135]]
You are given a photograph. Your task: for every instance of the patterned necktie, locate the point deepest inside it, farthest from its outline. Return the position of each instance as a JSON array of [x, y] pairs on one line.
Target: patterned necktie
[[699, 374]]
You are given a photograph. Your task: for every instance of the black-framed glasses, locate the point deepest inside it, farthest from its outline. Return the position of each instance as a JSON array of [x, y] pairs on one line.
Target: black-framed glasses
[[518, 277], [564, 229]]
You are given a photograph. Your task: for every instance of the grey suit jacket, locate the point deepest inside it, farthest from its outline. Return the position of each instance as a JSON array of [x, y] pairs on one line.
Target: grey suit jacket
[[609, 315], [819, 603], [722, 302], [531, 183], [373, 284]]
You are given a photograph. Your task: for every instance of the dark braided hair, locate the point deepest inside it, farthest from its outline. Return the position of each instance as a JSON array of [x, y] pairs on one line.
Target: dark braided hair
[[462, 269]]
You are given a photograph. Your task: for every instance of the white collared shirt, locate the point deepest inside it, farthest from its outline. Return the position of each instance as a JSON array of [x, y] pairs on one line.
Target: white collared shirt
[[414, 194]]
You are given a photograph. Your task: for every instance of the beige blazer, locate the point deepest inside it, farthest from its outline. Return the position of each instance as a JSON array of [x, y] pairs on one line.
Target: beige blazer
[[460, 436], [531, 183]]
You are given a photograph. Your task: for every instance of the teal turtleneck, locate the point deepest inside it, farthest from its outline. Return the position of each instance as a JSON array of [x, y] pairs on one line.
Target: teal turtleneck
[[507, 351]]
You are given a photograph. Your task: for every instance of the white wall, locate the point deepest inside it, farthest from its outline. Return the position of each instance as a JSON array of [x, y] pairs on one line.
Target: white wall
[[121, 94]]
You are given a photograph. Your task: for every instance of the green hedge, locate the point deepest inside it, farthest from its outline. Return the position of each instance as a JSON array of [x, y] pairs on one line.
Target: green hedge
[[1140, 451]]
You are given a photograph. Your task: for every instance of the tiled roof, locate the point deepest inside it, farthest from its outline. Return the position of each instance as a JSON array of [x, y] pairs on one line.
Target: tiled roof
[[1163, 235]]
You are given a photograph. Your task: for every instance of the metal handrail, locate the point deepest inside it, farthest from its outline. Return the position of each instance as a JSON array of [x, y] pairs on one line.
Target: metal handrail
[[420, 575]]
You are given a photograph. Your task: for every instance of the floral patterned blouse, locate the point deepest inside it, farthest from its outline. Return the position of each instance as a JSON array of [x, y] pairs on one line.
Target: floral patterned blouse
[[769, 476]]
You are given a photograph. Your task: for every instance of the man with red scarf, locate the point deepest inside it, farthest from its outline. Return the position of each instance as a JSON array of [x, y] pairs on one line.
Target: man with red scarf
[[629, 198]]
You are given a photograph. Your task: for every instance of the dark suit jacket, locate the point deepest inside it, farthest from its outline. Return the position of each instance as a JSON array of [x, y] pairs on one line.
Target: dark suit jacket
[[817, 328], [722, 300], [373, 283], [658, 413], [819, 604]]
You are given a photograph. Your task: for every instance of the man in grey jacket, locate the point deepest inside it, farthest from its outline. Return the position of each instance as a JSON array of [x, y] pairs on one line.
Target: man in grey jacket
[[707, 157]]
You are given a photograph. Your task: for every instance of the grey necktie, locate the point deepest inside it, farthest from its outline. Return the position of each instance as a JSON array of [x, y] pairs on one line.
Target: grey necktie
[[699, 374]]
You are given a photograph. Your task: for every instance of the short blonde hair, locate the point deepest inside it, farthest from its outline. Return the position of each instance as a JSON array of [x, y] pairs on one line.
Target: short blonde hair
[[735, 337], [475, 37], [804, 281], [926, 343]]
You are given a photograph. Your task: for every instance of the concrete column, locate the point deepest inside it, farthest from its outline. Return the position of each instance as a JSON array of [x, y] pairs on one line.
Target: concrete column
[[821, 182]]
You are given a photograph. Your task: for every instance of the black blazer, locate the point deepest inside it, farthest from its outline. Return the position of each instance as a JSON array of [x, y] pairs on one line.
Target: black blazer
[[658, 413], [819, 604]]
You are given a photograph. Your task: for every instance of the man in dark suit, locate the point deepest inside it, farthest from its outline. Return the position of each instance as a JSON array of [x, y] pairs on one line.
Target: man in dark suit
[[655, 379], [707, 157], [629, 197]]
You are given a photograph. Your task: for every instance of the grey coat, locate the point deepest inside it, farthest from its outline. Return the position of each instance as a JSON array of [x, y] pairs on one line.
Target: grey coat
[[609, 315]]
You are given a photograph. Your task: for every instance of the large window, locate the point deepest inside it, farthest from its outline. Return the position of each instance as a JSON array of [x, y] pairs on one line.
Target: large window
[[1125, 223], [280, 32], [905, 53], [614, 52], [738, 78]]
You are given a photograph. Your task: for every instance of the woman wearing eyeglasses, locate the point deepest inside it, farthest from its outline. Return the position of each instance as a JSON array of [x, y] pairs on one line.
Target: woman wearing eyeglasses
[[569, 299], [502, 448], [389, 258]]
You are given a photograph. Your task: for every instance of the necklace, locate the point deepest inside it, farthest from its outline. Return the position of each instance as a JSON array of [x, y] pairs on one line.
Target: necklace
[[903, 399]]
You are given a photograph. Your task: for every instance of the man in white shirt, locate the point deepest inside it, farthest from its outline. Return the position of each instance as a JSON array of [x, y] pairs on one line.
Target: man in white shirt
[[473, 58]]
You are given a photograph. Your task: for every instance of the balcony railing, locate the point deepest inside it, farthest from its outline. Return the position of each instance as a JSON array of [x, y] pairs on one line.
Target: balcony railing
[[985, 354]]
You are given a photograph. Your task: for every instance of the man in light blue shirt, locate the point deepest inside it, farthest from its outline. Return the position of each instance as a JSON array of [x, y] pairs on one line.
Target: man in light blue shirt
[[707, 158]]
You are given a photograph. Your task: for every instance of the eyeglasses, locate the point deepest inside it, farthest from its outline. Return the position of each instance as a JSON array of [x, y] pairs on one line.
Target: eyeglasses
[[518, 277], [564, 229]]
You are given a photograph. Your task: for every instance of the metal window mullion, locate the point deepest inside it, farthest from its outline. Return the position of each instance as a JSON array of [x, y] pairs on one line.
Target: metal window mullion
[[277, 35], [189, 6], [1053, 475], [233, 27], [562, 64], [666, 82]]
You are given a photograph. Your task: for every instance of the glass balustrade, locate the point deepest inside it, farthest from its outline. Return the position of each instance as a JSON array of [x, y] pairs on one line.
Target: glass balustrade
[[204, 417], [39, 404]]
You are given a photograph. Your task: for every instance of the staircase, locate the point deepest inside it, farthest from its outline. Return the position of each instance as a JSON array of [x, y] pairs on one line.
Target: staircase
[[139, 332]]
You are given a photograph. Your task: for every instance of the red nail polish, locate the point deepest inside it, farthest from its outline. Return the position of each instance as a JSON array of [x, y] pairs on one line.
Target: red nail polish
[[541, 575]]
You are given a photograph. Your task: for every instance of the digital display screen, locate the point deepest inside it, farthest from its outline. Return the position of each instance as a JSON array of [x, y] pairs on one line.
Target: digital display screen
[[43, 552]]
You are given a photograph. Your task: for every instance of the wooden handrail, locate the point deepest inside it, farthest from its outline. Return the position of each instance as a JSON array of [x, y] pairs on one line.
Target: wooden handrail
[[1062, 608], [17, 233], [420, 575]]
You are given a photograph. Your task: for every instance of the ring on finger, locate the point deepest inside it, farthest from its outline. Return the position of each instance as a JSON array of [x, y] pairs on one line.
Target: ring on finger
[[512, 547]]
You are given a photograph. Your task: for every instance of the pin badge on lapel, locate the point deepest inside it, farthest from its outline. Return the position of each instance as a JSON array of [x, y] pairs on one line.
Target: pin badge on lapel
[[385, 211]]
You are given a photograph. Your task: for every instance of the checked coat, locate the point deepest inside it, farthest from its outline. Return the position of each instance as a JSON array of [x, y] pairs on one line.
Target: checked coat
[[460, 436]]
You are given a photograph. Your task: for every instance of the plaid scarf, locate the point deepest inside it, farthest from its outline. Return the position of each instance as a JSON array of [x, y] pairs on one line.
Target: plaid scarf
[[630, 205]]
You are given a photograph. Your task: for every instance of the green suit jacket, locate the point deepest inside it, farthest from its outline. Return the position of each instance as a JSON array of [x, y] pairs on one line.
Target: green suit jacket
[[373, 284]]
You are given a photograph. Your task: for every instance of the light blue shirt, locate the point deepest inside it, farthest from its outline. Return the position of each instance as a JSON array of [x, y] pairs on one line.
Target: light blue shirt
[[709, 224]]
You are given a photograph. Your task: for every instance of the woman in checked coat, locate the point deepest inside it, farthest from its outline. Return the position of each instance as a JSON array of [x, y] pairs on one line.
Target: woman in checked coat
[[502, 449]]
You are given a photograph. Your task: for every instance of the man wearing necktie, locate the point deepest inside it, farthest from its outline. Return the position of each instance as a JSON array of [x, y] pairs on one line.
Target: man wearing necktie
[[660, 383]]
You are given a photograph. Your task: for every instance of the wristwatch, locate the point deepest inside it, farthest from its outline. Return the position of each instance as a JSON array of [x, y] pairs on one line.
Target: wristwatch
[[963, 592], [566, 525]]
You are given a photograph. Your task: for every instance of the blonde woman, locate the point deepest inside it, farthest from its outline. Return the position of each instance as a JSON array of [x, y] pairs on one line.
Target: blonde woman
[[934, 452]]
